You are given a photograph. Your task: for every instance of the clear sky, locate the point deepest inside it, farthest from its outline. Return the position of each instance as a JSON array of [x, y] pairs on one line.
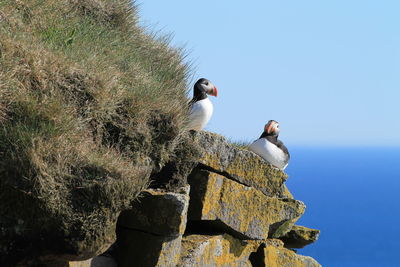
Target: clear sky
[[328, 71]]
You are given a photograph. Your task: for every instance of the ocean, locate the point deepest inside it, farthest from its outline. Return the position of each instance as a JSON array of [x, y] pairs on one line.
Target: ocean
[[352, 196]]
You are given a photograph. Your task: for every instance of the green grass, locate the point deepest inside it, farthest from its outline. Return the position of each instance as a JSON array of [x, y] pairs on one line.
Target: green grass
[[242, 144], [90, 106]]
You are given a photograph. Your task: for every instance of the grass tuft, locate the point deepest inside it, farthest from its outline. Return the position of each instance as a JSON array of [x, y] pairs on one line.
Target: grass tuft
[[90, 106], [242, 144]]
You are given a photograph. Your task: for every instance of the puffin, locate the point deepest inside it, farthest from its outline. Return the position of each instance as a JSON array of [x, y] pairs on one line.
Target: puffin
[[201, 106], [270, 148]]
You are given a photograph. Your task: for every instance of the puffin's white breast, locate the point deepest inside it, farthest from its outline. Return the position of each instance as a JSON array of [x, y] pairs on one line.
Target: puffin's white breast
[[270, 152], [200, 114]]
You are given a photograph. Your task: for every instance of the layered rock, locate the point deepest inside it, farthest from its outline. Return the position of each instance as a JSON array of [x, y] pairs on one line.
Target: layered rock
[[218, 250], [275, 255], [244, 210], [142, 249], [150, 233], [226, 251], [158, 212], [238, 207]]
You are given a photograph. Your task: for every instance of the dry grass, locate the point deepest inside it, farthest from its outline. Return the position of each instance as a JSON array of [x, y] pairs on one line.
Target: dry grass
[[90, 106], [241, 144]]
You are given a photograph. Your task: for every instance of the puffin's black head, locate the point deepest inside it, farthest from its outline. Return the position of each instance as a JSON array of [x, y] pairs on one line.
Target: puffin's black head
[[202, 88], [271, 128]]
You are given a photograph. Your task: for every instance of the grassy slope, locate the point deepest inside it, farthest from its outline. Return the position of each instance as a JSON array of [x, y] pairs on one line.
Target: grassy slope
[[89, 106]]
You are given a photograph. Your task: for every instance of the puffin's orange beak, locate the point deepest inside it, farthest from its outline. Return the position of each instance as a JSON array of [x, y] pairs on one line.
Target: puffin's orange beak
[[268, 128], [214, 92]]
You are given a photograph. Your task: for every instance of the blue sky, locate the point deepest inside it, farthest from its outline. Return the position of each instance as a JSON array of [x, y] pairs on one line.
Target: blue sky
[[328, 71]]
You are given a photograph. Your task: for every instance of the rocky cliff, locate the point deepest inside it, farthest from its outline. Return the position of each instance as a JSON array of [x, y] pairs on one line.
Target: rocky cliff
[[93, 114], [223, 206]]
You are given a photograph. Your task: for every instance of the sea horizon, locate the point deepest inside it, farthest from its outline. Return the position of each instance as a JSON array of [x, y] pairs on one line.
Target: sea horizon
[[351, 196]]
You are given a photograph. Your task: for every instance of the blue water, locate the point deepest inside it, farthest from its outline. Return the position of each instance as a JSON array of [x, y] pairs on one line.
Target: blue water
[[352, 196]]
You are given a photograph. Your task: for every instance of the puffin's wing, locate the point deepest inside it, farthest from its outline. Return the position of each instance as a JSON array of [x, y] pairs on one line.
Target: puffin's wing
[[280, 144]]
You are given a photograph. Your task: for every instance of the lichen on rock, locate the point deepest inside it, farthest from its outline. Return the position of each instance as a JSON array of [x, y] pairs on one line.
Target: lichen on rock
[[226, 251], [218, 250], [299, 237], [235, 213], [244, 210], [275, 255], [244, 166]]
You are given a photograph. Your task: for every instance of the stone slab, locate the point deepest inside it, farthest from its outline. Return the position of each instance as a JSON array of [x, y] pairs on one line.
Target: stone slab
[[142, 249], [226, 251], [244, 210], [219, 250], [158, 212], [300, 236], [275, 255]]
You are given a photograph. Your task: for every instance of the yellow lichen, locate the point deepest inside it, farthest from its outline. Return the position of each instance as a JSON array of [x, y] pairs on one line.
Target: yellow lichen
[[243, 208], [276, 256], [218, 250], [226, 251], [252, 172]]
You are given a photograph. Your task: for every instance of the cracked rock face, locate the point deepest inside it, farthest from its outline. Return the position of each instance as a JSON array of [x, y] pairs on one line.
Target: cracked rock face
[[136, 248], [245, 211], [219, 250], [158, 212], [150, 233], [226, 251], [238, 212], [277, 256]]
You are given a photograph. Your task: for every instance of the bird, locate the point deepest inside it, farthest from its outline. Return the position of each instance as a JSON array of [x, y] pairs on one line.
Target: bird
[[201, 106], [270, 148]]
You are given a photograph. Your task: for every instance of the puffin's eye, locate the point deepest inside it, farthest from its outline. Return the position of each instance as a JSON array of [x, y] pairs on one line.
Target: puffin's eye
[[206, 83]]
